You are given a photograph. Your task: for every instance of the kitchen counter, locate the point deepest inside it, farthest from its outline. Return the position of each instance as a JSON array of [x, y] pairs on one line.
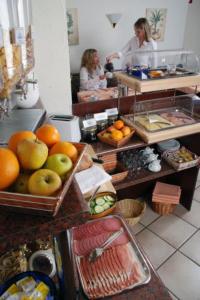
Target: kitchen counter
[[16, 229]]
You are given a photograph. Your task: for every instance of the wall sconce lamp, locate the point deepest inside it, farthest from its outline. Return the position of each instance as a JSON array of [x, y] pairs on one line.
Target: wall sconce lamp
[[114, 19]]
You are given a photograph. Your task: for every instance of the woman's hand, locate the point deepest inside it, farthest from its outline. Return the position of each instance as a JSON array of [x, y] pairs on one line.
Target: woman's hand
[[110, 57]]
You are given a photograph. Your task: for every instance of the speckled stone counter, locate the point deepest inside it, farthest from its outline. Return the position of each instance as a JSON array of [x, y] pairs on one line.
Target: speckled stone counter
[[16, 229]]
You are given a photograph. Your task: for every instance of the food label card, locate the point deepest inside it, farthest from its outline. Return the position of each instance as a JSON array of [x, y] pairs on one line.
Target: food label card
[[101, 116], [89, 123], [112, 111]]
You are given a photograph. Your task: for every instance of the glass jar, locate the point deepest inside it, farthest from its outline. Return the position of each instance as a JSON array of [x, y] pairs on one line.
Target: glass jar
[[102, 125], [19, 23], [112, 119], [89, 134], [10, 59], [29, 34]]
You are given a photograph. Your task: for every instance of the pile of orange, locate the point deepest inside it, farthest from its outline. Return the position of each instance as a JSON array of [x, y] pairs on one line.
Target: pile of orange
[[9, 168], [117, 131], [48, 134]]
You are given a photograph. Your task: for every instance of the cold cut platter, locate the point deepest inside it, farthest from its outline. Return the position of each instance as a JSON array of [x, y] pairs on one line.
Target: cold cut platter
[[120, 267]]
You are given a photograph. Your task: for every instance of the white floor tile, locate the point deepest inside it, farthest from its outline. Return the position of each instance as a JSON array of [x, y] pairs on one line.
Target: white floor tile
[[191, 248], [137, 228], [149, 216], [181, 276], [156, 249], [197, 194], [172, 229], [192, 216]]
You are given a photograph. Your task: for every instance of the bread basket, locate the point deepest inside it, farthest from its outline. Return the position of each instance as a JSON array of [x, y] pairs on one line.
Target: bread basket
[[131, 209]]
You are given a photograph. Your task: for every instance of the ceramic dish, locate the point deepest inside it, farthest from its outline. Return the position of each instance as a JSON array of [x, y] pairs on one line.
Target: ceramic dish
[[170, 145]]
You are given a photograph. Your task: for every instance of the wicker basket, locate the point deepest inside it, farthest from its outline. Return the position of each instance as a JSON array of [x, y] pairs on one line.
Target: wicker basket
[[163, 208], [131, 210]]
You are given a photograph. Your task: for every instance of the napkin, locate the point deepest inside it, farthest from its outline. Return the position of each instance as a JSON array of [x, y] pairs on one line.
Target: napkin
[[91, 178]]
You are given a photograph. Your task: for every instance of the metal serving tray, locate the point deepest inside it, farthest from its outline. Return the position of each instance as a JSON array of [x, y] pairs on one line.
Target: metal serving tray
[[130, 119], [180, 72], [140, 257]]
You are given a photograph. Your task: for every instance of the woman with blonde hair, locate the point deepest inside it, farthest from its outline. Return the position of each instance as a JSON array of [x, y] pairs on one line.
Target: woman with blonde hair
[[142, 41], [92, 73]]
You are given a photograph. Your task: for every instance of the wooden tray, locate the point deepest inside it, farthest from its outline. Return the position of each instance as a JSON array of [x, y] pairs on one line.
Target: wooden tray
[[43, 205], [113, 143], [167, 155], [158, 84]]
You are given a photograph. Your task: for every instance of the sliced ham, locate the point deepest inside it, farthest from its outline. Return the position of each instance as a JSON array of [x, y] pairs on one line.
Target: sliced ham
[[91, 229], [115, 270], [88, 230], [112, 224], [85, 246]]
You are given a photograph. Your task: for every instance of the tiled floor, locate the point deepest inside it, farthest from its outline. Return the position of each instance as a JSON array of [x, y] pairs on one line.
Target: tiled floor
[[172, 244]]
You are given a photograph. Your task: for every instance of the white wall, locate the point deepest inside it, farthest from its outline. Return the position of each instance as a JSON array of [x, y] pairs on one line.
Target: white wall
[[95, 31], [192, 28], [51, 54]]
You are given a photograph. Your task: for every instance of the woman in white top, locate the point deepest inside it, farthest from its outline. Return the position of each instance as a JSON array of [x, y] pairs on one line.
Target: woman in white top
[[92, 73], [142, 41]]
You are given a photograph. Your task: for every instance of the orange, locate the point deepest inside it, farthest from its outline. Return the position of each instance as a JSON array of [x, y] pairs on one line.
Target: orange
[[118, 124], [49, 134], [66, 148], [111, 128], [117, 135], [126, 130], [17, 137], [9, 168]]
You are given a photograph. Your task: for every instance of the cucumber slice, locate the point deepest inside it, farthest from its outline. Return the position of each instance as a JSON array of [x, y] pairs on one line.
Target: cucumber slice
[[98, 209], [109, 198], [110, 203], [106, 206], [100, 201], [92, 203], [92, 211]]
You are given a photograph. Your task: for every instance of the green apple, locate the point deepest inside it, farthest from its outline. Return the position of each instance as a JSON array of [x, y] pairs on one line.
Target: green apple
[[21, 184], [60, 163], [44, 182], [32, 153]]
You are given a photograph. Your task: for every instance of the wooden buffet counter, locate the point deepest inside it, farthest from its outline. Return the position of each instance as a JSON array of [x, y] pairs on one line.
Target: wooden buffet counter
[[144, 86], [18, 229]]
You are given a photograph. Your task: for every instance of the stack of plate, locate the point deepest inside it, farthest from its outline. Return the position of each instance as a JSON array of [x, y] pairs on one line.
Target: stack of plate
[[169, 145]]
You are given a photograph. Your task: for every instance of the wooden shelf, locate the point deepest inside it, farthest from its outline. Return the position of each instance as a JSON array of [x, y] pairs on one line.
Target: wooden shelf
[[144, 176], [102, 148]]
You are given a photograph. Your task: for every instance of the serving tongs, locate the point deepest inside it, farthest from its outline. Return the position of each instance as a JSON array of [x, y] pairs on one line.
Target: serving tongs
[[95, 253]]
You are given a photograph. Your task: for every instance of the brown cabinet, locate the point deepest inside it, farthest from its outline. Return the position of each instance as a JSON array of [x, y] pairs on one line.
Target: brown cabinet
[[134, 186]]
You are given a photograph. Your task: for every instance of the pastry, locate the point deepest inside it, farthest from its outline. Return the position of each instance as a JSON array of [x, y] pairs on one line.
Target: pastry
[[153, 122], [156, 73]]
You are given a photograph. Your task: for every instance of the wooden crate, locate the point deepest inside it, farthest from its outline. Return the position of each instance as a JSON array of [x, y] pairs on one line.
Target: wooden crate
[[43, 205]]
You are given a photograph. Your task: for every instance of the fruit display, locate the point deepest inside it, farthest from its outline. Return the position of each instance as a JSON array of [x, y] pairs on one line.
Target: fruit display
[[117, 134], [36, 166]]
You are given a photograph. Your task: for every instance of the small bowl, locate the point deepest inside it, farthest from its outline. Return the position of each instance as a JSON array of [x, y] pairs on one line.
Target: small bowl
[[107, 211]]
